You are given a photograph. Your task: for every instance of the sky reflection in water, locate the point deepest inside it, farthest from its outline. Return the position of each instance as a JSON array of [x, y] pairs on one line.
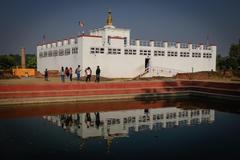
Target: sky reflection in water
[[171, 131]]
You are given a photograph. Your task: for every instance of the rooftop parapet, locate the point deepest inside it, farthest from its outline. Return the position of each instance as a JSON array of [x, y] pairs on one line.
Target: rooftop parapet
[[164, 44]]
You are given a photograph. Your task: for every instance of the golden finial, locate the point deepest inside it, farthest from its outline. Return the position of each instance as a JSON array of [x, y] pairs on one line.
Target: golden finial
[[109, 18]]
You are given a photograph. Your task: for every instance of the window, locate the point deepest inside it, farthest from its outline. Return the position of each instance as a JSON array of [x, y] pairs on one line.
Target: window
[[118, 51], [101, 50], [114, 51], [145, 52], [196, 55], [45, 54], [183, 114], [75, 50], [125, 40], [172, 54], [184, 54], [158, 117], [207, 55], [159, 53], [61, 52], [96, 50], [67, 51], [109, 50], [41, 54], [109, 41], [130, 51], [55, 53], [49, 53], [149, 52]]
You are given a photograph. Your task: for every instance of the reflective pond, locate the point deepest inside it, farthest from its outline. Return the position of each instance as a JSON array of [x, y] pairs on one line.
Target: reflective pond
[[158, 129]]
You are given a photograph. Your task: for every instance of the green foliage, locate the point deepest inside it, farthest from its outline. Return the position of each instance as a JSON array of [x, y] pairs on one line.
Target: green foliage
[[31, 61], [232, 61], [220, 62], [7, 61], [12, 61]]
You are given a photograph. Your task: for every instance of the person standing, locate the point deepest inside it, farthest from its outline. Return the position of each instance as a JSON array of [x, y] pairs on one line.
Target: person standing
[[77, 71], [88, 120], [62, 73], [88, 73], [70, 73], [67, 72], [46, 74], [98, 74], [97, 119]]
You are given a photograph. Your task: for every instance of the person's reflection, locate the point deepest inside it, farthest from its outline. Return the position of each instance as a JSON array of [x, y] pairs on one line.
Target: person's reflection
[[97, 119], [88, 120]]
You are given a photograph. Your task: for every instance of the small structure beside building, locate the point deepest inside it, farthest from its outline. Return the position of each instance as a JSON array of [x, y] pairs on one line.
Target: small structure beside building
[[23, 71]]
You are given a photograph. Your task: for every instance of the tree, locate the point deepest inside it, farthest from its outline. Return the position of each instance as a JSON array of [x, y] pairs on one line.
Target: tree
[[232, 61], [234, 56], [31, 61], [7, 61], [221, 62]]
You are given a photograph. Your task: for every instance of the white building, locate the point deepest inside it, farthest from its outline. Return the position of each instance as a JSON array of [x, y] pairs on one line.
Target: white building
[[120, 57]]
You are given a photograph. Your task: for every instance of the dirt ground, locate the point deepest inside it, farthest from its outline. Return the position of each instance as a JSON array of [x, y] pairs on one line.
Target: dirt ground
[[57, 80]]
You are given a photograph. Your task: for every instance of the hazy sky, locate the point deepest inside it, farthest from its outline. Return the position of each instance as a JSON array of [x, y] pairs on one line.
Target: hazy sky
[[24, 22]]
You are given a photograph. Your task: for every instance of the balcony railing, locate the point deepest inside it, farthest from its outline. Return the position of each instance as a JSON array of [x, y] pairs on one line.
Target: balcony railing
[[144, 43]]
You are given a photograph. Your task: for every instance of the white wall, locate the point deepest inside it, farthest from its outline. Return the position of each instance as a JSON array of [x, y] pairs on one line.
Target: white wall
[[111, 31], [55, 63]]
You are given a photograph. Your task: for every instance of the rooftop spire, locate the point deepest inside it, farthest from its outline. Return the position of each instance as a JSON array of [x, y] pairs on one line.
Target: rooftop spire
[[109, 18]]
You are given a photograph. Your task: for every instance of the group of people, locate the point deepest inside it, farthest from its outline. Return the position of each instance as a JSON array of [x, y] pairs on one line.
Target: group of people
[[68, 73], [88, 73]]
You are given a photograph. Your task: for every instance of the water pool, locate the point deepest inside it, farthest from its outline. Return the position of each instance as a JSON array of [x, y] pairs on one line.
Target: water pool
[[156, 129]]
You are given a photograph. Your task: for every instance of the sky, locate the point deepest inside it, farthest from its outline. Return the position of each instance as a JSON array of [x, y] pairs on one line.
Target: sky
[[24, 22]]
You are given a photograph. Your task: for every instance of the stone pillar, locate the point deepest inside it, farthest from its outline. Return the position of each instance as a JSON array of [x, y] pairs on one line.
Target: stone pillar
[[165, 44], [137, 42], [177, 45], [23, 57], [152, 43]]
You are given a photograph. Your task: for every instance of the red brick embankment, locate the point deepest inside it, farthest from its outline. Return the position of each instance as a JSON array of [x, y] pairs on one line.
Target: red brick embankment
[[42, 93]]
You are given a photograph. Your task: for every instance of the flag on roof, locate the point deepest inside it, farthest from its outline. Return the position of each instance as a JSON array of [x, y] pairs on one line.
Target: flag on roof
[[81, 24]]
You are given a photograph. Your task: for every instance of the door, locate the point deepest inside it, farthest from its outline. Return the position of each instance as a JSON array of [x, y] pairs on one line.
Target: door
[[147, 63]]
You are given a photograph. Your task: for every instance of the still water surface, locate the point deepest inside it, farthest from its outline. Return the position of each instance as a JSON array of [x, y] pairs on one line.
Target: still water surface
[[164, 129]]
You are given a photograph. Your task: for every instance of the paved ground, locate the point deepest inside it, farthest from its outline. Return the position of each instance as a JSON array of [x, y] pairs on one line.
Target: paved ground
[[56, 80]]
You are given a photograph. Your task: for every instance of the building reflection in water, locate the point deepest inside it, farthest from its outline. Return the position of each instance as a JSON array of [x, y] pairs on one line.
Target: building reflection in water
[[113, 124]]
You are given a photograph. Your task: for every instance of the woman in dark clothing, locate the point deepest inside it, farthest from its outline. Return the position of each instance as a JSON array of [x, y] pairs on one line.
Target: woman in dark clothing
[[46, 75], [98, 74]]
